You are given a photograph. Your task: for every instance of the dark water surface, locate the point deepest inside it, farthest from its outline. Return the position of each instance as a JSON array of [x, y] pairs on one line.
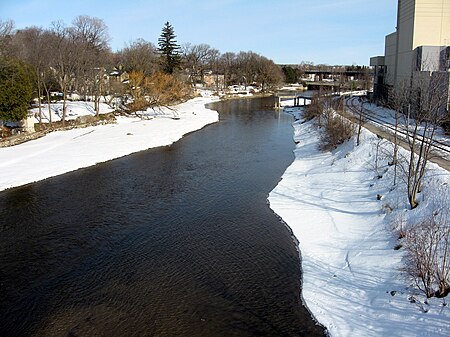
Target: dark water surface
[[174, 241]]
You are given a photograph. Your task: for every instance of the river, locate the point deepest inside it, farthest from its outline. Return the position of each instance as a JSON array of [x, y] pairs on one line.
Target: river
[[173, 241]]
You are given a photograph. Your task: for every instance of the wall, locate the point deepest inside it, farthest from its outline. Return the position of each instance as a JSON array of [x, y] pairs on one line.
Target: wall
[[432, 23], [389, 59]]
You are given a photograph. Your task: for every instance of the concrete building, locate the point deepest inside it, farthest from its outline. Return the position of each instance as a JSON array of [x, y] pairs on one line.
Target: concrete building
[[421, 43]]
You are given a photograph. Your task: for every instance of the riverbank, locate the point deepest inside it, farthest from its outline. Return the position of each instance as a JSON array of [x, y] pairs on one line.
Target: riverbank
[[352, 281], [64, 151]]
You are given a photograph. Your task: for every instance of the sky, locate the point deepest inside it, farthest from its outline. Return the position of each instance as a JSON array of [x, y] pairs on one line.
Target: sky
[[286, 31]]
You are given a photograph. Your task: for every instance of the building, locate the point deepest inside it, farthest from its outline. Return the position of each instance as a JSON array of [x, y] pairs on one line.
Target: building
[[420, 47], [216, 81]]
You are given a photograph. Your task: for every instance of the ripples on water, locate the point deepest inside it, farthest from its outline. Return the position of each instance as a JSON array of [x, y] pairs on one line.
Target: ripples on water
[[175, 241]]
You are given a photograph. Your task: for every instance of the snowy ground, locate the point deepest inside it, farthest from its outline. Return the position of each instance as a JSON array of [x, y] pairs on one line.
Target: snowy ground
[[351, 273], [73, 110], [386, 117], [63, 151]]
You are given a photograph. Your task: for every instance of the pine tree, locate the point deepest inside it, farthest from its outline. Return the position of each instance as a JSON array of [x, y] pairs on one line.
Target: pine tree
[[15, 90], [169, 49]]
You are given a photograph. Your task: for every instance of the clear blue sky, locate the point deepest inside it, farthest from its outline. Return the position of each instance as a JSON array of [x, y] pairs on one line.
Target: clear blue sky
[[286, 31]]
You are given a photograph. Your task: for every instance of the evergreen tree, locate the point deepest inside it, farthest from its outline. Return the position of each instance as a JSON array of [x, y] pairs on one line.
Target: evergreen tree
[[169, 49], [15, 90], [290, 74]]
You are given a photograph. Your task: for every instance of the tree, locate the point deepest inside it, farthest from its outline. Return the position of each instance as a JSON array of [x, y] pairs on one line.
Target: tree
[[6, 29], [196, 59], [29, 46], [91, 31], [169, 49], [90, 35], [268, 74], [15, 90], [140, 56], [246, 67], [64, 61], [361, 120], [425, 112], [227, 64], [214, 65], [290, 74], [398, 99]]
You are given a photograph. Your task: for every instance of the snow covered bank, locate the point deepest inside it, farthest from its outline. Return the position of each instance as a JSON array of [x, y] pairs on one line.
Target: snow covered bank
[[64, 151], [351, 273]]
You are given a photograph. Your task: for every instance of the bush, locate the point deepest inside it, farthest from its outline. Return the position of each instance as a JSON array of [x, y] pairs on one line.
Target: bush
[[156, 90], [139, 104], [315, 109], [165, 89], [428, 253], [337, 131]]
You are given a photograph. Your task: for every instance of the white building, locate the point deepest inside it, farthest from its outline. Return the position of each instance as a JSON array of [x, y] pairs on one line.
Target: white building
[[421, 44]]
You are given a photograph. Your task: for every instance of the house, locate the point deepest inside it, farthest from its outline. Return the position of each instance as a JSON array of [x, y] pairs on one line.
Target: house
[[215, 81], [119, 75]]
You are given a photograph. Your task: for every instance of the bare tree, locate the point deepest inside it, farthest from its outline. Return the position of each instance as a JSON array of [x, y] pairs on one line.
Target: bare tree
[[65, 59], [246, 67], [91, 31], [6, 31], [227, 63], [425, 112], [140, 56], [90, 35], [268, 74], [397, 102], [214, 65], [361, 120], [196, 60]]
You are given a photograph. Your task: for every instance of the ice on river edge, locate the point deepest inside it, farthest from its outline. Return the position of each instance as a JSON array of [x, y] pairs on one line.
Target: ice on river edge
[[352, 282]]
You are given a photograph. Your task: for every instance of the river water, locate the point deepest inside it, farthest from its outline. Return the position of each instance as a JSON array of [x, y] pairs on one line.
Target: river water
[[173, 241]]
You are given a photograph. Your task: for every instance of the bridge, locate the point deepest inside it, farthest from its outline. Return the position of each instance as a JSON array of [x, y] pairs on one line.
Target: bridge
[[289, 95]]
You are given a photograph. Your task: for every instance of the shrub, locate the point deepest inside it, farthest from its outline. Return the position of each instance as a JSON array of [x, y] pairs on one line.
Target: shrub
[[315, 109], [337, 131], [428, 254], [156, 90]]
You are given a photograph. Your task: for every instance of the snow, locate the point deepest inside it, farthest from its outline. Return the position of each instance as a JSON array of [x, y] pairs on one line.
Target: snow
[[386, 117], [73, 110], [351, 273], [352, 281], [63, 151]]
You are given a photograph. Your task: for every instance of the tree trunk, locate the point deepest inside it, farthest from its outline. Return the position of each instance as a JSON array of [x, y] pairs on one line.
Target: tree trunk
[[39, 100], [64, 106], [395, 154]]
